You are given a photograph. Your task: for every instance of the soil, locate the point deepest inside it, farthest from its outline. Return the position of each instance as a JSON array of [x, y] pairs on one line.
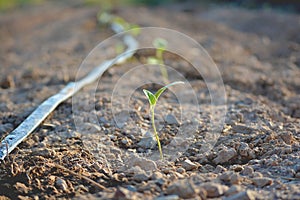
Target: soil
[[256, 155]]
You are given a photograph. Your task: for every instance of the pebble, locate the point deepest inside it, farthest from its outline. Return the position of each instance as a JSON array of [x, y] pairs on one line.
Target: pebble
[[124, 141], [47, 153], [214, 189], [148, 141], [236, 168], [262, 181], [235, 179], [131, 188], [241, 129], [143, 163], [245, 195], [226, 176], [169, 197], [189, 165], [122, 194], [182, 188], [225, 155], [180, 170], [220, 169], [256, 175], [140, 177], [234, 189], [245, 151], [247, 171], [61, 184], [287, 137], [92, 128], [171, 120], [157, 175]]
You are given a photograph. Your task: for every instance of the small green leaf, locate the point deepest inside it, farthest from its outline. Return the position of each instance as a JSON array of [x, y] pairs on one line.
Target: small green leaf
[[135, 29], [153, 61], [151, 97], [104, 17], [160, 43], [161, 90]]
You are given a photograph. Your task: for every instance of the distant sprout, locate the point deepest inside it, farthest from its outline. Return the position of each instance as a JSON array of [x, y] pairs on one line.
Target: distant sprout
[[119, 47], [161, 45], [107, 18], [153, 98]]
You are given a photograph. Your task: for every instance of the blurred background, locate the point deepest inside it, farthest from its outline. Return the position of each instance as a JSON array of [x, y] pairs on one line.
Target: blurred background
[[283, 5]]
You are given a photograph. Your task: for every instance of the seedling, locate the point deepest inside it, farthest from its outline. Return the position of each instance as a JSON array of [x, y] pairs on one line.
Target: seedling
[[160, 44], [106, 18], [153, 98]]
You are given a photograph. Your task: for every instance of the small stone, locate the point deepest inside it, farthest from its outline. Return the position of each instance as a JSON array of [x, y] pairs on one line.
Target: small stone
[[225, 155], [220, 169], [171, 120], [122, 194], [157, 175], [180, 170], [143, 163], [189, 165], [214, 189], [125, 141], [182, 188], [235, 179], [140, 177], [131, 188], [201, 192], [245, 195], [287, 137], [103, 120], [121, 118], [148, 141], [233, 190], [256, 175], [247, 171], [241, 129], [262, 181], [297, 168], [245, 151], [47, 153], [226, 176], [169, 197], [297, 175], [92, 128], [61, 184], [237, 168]]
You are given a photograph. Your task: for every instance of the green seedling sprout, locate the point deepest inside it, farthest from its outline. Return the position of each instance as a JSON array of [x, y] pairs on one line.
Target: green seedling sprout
[[107, 18], [160, 44], [153, 98]]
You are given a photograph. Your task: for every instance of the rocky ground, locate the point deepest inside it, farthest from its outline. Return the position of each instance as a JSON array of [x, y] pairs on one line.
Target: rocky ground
[[256, 155]]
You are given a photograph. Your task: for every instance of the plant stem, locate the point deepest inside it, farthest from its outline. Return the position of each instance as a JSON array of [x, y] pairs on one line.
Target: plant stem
[[155, 133], [163, 70]]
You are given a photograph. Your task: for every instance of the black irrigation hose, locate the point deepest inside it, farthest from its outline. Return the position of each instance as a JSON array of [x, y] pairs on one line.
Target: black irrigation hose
[[13, 139]]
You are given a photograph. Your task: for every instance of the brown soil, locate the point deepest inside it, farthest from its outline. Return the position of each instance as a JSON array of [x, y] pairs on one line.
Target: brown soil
[[257, 53]]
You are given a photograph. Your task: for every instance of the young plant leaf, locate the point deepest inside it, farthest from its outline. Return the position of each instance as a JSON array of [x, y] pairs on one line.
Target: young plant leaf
[[161, 90], [160, 43], [151, 97], [153, 61]]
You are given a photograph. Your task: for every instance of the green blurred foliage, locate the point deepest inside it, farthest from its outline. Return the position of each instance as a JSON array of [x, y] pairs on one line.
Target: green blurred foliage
[[112, 3], [9, 4]]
